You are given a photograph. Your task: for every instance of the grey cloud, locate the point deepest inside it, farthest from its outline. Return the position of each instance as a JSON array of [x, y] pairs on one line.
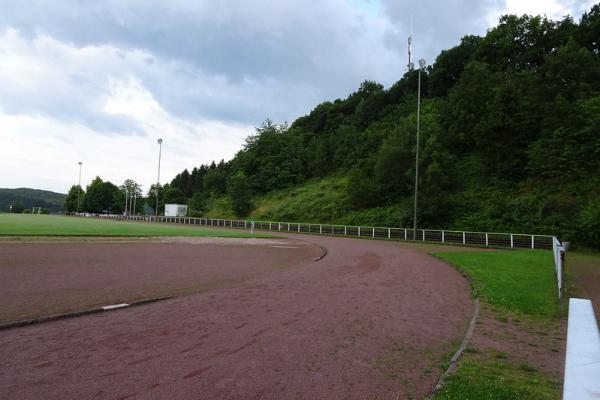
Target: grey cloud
[[245, 61], [312, 52], [438, 25]]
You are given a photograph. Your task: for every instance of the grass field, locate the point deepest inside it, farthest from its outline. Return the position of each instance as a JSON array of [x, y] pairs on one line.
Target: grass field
[[521, 281], [521, 286], [52, 225]]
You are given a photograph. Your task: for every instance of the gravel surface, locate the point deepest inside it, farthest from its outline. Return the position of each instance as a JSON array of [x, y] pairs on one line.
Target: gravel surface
[[41, 279], [370, 320]]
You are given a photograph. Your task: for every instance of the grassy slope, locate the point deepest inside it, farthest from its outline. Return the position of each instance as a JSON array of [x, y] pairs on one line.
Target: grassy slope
[[318, 200], [49, 225], [520, 282]]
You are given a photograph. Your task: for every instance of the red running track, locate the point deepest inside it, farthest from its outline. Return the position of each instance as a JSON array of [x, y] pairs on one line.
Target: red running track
[[370, 320]]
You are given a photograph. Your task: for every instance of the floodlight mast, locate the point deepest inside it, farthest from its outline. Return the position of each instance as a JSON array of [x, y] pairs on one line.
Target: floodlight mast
[[410, 66], [422, 64], [158, 179], [79, 186]]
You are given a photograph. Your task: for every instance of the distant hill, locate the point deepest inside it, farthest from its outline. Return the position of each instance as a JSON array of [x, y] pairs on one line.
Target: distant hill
[[31, 198]]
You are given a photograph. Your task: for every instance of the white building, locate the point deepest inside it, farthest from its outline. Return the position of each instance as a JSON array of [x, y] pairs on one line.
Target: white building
[[175, 210]]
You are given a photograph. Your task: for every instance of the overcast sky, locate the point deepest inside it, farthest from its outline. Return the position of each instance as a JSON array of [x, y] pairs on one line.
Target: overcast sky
[[99, 81]]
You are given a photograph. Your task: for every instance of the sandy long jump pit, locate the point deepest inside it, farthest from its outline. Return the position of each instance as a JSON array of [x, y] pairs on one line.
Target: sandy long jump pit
[[253, 319]]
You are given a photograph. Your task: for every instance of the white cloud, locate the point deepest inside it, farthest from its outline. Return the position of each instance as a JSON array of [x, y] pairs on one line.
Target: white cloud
[[43, 152], [41, 148]]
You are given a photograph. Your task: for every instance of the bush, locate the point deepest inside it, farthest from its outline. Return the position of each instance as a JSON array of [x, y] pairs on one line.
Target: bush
[[589, 225]]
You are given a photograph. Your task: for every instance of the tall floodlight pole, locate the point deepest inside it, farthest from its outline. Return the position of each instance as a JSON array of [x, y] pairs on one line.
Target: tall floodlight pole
[[79, 186], [422, 64], [158, 179], [126, 195], [134, 201]]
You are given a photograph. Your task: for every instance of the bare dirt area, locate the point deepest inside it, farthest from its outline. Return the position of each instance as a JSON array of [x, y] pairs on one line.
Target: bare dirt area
[[584, 270], [45, 278], [370, 320], [521, 341]]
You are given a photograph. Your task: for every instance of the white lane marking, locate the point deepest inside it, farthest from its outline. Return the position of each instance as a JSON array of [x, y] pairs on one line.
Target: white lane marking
[[115, 306], [285, 247]]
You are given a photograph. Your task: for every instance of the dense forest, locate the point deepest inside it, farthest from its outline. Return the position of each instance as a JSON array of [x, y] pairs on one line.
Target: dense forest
[[510, 141], [23, 199]]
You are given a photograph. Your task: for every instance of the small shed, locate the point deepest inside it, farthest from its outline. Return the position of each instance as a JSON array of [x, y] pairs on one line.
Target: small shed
[[175, 210]]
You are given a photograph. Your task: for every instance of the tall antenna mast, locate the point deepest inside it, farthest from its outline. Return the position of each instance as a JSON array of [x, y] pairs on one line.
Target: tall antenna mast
[[410, 66]]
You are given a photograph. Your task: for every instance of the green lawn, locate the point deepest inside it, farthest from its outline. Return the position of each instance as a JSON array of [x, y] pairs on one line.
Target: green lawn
[[497, 380], [521, 281], [52, 225]]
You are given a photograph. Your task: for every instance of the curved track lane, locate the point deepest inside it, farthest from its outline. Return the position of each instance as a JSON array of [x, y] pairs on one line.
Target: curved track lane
[[370, 320]]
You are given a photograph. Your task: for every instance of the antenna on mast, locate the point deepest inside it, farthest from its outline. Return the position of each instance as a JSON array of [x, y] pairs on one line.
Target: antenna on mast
[[410, 66]]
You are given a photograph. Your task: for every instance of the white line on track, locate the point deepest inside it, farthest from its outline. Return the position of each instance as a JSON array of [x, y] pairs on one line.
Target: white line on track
[[115, 306]]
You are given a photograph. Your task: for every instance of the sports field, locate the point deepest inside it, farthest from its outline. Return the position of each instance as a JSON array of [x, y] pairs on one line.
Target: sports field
[[282, 317], [52, 225]]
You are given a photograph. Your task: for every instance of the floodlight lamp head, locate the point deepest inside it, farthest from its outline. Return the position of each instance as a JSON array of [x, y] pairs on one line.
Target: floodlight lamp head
[[422, 63], [160, 141], [79, 163]]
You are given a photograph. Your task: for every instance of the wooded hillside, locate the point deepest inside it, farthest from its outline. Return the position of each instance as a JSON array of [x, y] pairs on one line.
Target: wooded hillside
[[510, 140], [25, 198]]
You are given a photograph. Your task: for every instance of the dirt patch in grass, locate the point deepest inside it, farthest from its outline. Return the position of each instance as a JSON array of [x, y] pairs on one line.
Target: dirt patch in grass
[[584, 272], [523, 341], [510, 357]]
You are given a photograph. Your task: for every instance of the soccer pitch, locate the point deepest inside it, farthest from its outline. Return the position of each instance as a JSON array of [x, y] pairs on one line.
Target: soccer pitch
[[54, 225]]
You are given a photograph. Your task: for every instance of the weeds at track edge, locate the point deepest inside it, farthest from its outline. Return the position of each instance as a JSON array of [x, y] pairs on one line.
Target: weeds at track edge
[[465, 342]]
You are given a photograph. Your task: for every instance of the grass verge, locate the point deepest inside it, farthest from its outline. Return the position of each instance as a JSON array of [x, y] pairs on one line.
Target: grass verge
[[521, 281], [52, 225], [499, 380], [515, 350]]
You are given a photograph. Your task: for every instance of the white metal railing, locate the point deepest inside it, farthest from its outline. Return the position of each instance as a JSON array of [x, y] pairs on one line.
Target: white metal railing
[[559, 252], [465, 238], [582, 361], [469, 238]]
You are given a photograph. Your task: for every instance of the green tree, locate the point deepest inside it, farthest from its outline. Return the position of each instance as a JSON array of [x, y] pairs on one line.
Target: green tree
[[75, 194], [130, 194], [197, 204], [17, 208], [239, 191], [100, 196], [151, 198], [174, 195]]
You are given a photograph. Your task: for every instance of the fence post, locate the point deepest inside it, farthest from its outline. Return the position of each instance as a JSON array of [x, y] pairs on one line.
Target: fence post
[[532, 242], [373, 231], [486, 239], [288, 226], [405, 234], [359, 231], [298, 227], [389, 233], [345, 230], [270, 224], [443, 239], [423, 234], [320, 229], [464, 238], [511, 241]]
